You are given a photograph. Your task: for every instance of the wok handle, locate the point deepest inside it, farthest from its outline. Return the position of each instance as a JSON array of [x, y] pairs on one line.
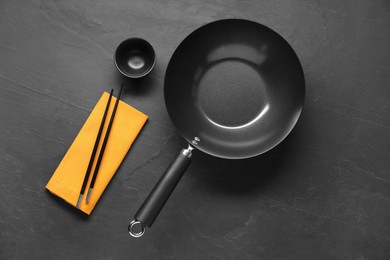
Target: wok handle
[[159, 195]]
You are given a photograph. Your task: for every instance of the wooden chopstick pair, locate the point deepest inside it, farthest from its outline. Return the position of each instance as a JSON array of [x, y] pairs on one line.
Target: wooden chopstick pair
[[92, 159]]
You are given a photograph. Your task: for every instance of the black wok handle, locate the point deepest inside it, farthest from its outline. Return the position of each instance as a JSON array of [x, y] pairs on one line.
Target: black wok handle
[[159, 195]]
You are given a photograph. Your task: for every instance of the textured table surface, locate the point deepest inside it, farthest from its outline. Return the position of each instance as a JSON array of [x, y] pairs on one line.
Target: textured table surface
[[324, 193]]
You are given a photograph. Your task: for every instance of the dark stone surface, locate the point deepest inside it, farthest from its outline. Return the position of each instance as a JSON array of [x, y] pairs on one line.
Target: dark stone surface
[[324, 193]]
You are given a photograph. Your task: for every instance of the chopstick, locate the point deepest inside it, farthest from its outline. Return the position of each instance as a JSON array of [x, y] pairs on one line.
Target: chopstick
[[95, 173], [88, 172]]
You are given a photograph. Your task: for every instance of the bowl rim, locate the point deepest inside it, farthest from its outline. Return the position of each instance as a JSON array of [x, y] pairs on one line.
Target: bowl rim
[[139, 75]]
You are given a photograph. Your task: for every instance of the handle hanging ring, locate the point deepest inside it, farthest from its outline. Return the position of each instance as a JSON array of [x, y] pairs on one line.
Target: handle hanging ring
[[134, 233]]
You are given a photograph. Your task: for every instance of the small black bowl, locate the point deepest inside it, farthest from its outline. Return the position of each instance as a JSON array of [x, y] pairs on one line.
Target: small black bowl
[[135, 57]]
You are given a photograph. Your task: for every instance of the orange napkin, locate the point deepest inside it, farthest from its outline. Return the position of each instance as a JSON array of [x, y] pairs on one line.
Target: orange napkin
[[68, 178]]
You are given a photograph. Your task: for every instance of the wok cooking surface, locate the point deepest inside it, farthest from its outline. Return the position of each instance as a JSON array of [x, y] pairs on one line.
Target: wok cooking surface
[[237, 86], [231, 100]]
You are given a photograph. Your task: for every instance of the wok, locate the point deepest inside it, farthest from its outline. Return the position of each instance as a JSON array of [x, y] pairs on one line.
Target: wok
[[234, 89]]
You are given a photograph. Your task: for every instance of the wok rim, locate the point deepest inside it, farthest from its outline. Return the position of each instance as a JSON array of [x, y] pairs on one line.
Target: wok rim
[[207, 151]]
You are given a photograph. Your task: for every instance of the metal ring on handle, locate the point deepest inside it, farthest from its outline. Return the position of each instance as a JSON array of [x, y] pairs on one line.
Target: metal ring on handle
[[131, 229]]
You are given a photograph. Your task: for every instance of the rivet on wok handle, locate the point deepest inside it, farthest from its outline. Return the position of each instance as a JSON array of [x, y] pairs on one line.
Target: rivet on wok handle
[[159, 195]]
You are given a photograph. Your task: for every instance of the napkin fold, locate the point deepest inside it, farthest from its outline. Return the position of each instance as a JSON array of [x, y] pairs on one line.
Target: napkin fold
[[68, 178]]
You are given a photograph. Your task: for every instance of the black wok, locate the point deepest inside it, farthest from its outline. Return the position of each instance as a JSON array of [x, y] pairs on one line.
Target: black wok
[[234, 89]]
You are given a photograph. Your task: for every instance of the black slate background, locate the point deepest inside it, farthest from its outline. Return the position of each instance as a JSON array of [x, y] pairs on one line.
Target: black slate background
[[324, 193]]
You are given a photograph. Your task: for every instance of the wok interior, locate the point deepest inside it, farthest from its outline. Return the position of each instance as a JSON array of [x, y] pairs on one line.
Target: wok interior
[[235, 85]]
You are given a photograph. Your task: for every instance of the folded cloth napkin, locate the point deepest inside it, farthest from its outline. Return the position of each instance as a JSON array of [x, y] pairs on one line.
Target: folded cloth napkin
[[68, 178]]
